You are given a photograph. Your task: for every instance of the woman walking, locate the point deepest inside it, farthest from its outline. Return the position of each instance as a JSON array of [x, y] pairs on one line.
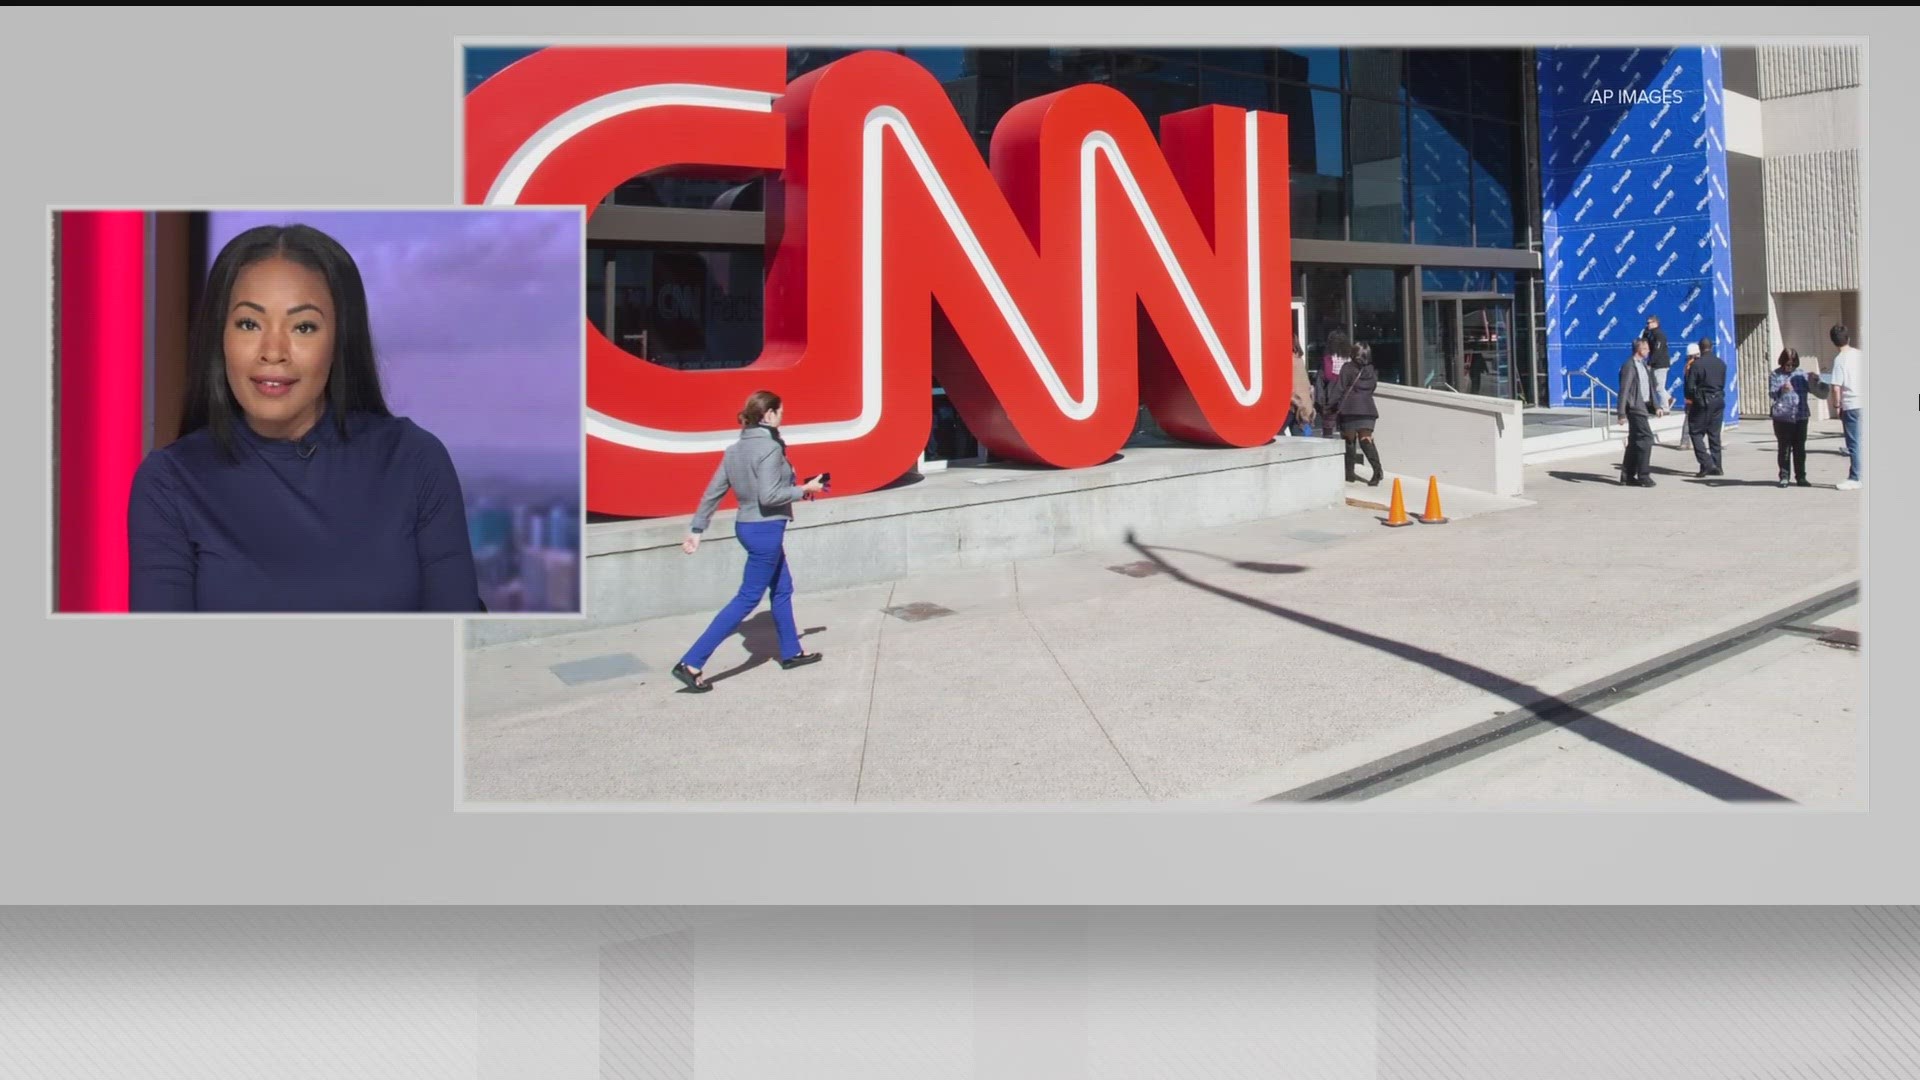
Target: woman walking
[[755, 469], [1353, 403], [1791, 410]]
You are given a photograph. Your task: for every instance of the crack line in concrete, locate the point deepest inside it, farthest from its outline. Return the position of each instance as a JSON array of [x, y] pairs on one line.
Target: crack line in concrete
[[873, 692], [1020, 603]]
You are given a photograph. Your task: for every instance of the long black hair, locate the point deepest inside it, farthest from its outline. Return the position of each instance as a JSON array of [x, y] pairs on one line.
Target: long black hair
[[353, 383]]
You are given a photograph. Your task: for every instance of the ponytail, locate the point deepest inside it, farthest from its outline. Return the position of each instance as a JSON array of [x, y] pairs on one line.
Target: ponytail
[[759, 404]]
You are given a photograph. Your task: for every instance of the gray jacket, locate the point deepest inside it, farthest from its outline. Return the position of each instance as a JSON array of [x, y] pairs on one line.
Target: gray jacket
[[1636, 391], [756, 470]]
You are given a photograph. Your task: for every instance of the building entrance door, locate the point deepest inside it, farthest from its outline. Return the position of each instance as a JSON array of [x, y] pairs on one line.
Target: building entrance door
[[1466, 344]]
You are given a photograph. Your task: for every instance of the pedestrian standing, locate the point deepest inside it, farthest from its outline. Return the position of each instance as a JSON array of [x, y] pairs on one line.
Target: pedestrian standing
[[1639, 403], [1333, 361], [1300, 413], [1659, 359], [1706, 402], [755, 469], [1847, 390], [1686, 406], [1357, 411], [1790, 389]]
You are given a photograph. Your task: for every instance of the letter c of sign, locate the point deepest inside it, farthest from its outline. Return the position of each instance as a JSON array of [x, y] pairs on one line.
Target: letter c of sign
[[566, 126], [896, 256]]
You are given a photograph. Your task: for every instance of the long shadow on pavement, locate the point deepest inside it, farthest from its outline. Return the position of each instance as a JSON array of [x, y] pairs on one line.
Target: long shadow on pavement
[[1722, 481], [1255, 567], [1681, 767], [1584, 478]]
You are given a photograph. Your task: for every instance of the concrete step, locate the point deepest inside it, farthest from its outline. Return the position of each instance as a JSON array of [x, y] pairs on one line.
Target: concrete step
[[1606, 438]]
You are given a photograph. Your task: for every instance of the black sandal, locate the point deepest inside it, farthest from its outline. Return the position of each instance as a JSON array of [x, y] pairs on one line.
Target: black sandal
[[695, 683], [800, 661]]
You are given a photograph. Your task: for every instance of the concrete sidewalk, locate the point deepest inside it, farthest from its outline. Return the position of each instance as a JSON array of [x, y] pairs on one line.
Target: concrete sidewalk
[[1779, 716], [1183, 668]]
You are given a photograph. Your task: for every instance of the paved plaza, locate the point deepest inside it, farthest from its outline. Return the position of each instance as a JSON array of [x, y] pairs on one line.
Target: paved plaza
[[1236, 664]]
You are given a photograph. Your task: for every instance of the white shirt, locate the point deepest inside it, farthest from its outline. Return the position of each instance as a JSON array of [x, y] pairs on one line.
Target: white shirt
[[1849, 373]]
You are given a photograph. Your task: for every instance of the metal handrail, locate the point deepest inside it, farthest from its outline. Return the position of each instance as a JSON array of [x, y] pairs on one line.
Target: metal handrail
[[1594, 389]]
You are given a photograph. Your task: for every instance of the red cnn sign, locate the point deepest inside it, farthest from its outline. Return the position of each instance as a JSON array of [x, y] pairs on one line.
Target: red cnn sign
[[1085, 269]]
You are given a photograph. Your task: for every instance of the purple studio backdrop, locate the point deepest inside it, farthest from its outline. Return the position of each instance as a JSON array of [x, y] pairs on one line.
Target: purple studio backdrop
[[477, 328]]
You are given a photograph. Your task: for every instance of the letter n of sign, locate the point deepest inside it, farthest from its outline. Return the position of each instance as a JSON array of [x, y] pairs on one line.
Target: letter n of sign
[[1087, 270]]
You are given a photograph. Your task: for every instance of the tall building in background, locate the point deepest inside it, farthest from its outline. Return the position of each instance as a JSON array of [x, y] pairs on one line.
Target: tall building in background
[[526, 556], [489, 526], [558, 575], [1794, 136], [563, 528]]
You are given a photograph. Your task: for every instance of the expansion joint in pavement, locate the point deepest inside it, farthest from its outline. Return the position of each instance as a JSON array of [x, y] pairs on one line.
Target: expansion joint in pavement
[[1019, 604], [873, 692]]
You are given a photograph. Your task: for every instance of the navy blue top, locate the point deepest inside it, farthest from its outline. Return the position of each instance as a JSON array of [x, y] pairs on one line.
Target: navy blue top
[[372, 523], [1789, 395]]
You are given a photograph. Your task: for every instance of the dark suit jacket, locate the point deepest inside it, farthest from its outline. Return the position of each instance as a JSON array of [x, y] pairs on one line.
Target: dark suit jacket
[[1707, 383]]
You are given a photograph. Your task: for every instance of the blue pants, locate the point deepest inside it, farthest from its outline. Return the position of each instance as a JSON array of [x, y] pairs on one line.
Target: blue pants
[[766, 570], [1850, 428]]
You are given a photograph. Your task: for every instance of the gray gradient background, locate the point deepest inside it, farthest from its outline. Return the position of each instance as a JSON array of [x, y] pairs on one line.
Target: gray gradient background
[[314, 762], [935, 993]]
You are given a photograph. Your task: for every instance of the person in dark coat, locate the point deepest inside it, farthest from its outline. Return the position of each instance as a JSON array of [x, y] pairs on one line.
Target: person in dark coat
[[1659, 359], [1706, 386], [1353, 403]]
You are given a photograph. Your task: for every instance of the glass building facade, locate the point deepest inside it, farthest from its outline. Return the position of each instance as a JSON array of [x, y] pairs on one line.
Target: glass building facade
[[1415, 206]]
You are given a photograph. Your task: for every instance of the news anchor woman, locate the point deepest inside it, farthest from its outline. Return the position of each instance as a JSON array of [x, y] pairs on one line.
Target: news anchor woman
[[292, 488], [755, 469]]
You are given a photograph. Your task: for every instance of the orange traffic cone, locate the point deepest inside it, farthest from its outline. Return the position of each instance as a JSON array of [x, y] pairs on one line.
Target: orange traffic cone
[[1397, 511], [1433, 515]]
